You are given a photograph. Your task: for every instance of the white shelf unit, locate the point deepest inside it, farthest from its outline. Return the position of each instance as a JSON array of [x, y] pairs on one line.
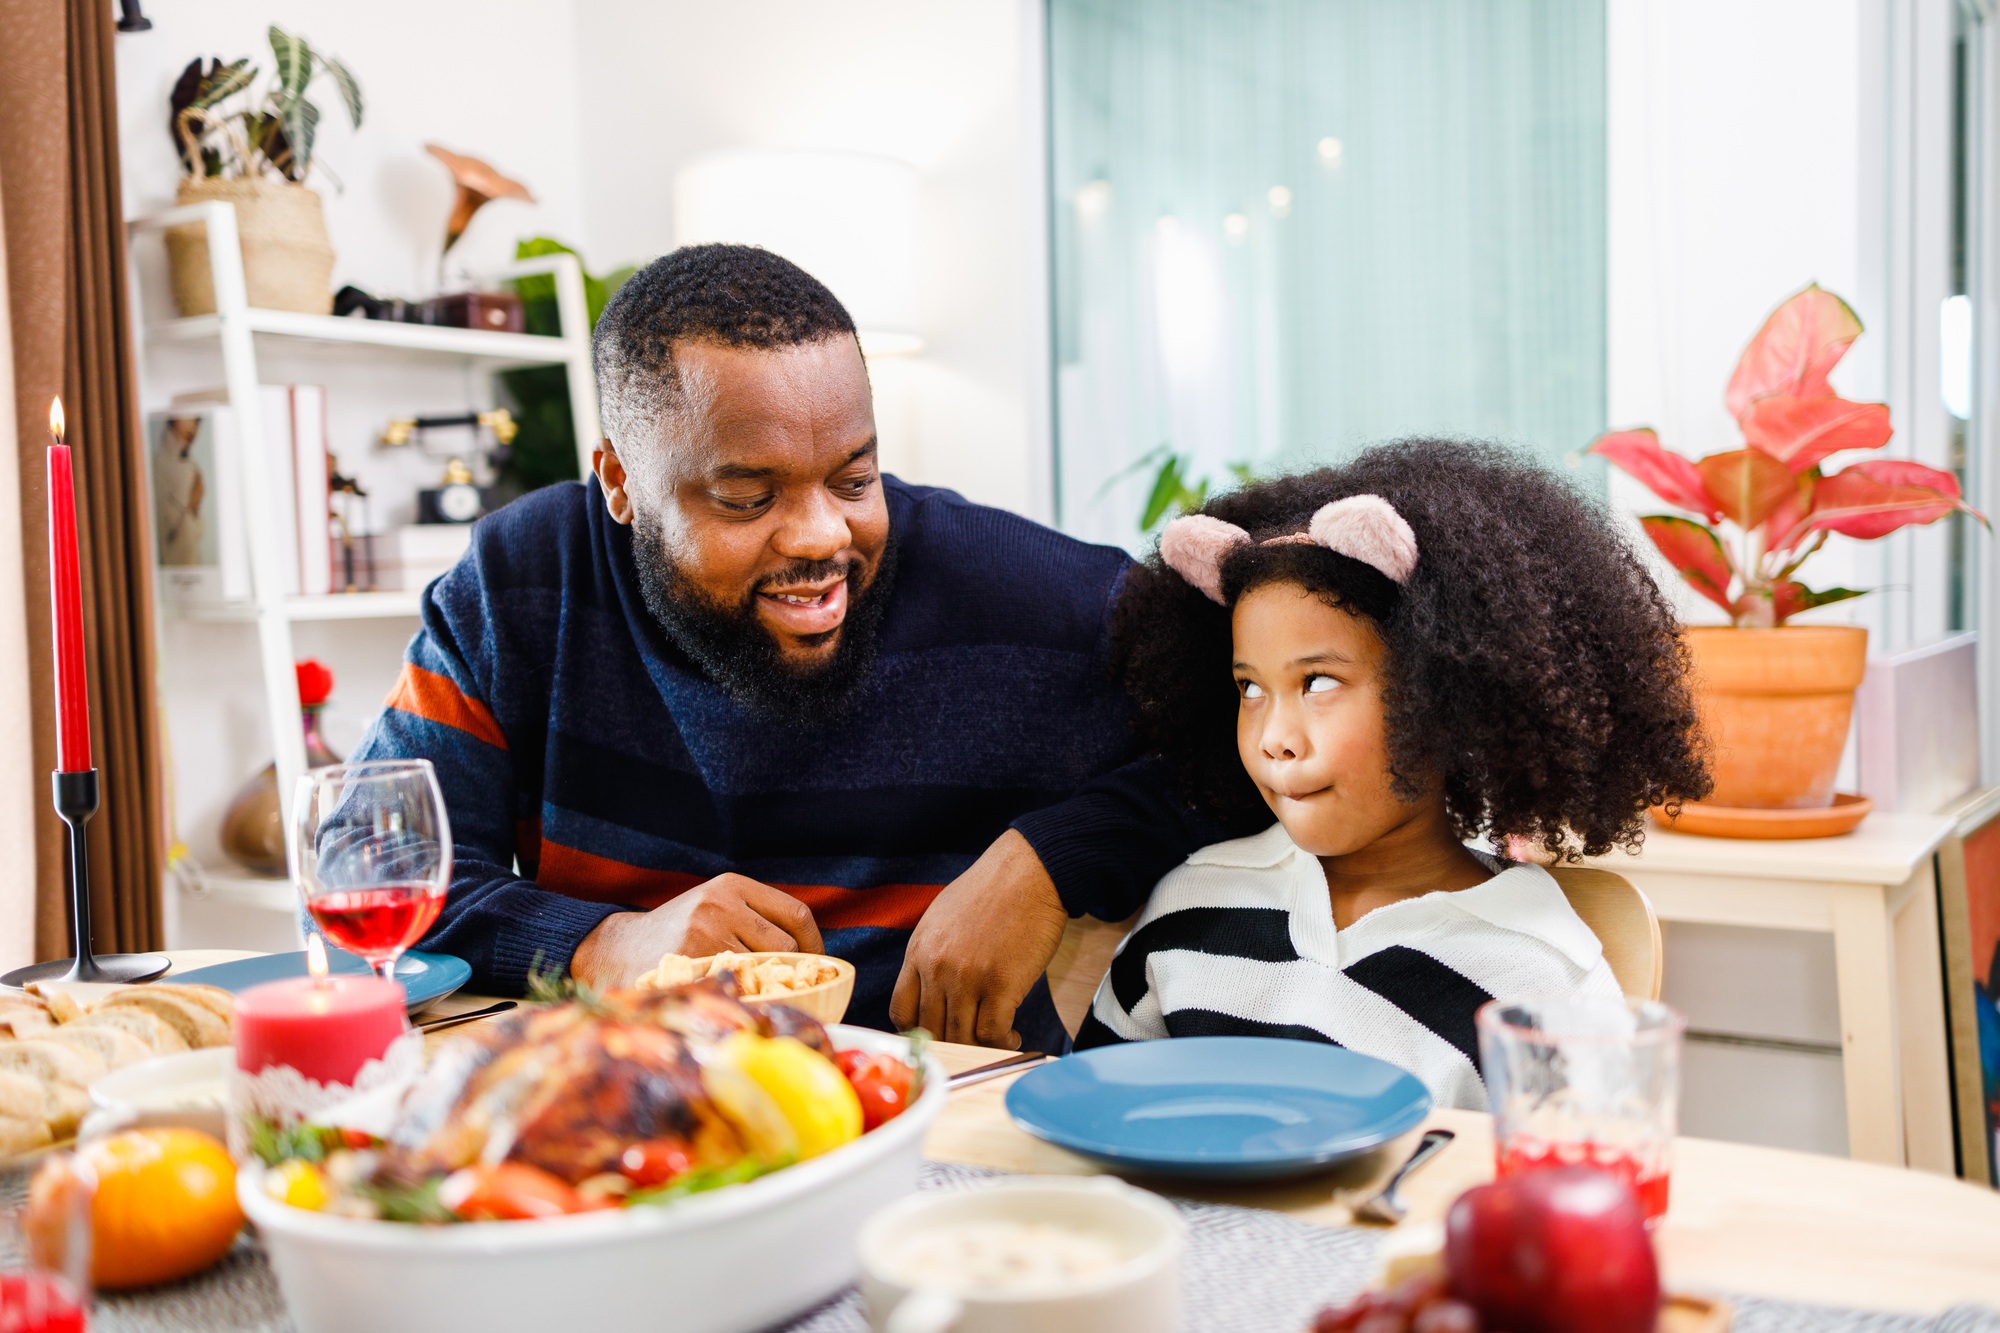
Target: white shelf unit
[[237, 331]]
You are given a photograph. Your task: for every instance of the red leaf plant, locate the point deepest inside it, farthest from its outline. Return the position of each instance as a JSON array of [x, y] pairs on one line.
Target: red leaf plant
[[1777, 500]]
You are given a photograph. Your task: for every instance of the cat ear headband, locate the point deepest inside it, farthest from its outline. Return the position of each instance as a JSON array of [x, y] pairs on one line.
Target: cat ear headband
[[1363, 527]]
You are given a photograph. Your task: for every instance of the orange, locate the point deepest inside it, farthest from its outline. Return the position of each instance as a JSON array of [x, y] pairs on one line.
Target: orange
[[165, 1204]]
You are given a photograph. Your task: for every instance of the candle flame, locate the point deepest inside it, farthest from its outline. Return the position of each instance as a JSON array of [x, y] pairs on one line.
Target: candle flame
[[56, 419], [316, 957]]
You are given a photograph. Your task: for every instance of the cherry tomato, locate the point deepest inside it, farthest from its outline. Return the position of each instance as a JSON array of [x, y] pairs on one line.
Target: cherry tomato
[[357, 1139], [881, 1081], [654, 1162], [510, 1192]]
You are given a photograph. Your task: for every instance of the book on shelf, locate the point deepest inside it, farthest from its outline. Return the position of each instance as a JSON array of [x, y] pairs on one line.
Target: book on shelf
[[297, 463], [310, 465]]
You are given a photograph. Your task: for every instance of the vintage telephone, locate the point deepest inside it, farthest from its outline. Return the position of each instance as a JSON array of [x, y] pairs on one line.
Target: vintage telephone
[[459, 497]]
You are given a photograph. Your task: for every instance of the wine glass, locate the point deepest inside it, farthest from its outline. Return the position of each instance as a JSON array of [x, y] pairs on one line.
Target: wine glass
[[371, 854]]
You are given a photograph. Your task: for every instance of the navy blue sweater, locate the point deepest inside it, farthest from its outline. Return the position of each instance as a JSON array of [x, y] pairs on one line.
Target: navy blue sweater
[[590, 767]]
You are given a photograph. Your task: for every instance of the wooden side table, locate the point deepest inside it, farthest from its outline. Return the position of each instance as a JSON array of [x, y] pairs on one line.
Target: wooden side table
[[1875, 891]]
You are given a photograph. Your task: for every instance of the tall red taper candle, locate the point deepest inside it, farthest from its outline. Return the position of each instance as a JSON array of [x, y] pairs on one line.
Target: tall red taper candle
[[66, 593]]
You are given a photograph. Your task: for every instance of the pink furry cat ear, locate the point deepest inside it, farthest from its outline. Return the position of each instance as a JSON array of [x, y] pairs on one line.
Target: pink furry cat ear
[[1195, 546], [1368, 528]]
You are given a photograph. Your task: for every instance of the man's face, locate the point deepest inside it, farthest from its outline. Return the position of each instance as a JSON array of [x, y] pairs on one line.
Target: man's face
[[769, 501]]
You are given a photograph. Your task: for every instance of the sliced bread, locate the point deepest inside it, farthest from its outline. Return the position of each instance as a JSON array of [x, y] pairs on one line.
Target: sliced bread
[[19, 1136], [52, 1061], [118, 1047], [197, 1023], [213, 998], [24, 1022], [22, 1097], [159, 1035]]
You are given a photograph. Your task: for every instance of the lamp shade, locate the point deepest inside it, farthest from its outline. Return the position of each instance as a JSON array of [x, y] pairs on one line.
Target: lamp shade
[[849, 219]]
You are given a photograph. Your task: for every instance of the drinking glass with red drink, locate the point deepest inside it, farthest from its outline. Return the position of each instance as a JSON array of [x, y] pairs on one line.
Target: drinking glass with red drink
[[45, 1256], [1585, 1080], [372, 855]]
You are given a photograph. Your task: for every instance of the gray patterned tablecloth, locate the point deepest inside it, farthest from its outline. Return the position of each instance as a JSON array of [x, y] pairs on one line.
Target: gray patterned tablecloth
[[1248, 1271]]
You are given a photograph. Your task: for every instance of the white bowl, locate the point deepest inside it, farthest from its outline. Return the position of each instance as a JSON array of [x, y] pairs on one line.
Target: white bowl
[[738, 1258], [189, 1089], [1140, 1294]]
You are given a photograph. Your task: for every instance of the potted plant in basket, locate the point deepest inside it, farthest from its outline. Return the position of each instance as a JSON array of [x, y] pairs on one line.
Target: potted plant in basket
[[1776, 698], [252, 146]]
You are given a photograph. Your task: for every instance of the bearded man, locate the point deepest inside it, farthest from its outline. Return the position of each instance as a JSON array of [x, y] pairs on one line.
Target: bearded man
[[739, 690]]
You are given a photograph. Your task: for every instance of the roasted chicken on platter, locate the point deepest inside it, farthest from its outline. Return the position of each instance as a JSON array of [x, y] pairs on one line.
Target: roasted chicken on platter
[[596, 1102]]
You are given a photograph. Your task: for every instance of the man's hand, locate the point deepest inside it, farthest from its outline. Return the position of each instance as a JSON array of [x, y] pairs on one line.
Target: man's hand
[[980, 947], [728, 912]]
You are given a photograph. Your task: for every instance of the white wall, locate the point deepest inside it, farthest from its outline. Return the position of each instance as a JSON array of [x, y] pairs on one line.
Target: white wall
[[1734, 139], [951, 87], [1756, 147]]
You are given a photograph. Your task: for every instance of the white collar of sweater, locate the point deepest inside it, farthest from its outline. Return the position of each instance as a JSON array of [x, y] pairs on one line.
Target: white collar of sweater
[[1521, 897]]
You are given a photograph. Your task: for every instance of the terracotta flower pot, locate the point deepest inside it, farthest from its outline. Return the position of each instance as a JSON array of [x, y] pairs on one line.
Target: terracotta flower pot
[[1775, 705]]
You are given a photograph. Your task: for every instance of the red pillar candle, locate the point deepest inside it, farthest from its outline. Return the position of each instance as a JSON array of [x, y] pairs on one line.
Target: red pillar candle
[[326, 1028], [66, 594]]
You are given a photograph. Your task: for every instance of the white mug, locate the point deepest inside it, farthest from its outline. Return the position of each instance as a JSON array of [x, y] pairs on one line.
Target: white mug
[[1139, 1294]]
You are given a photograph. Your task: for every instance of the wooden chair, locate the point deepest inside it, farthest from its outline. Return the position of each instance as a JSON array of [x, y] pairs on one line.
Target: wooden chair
[[1624, 923], [1611, 905], [1081, 961]]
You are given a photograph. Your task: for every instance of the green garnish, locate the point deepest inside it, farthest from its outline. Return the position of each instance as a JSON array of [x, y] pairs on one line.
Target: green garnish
[[408, 1203], [702, 1180], [556, 986], [275, 1143], [920, 1041]]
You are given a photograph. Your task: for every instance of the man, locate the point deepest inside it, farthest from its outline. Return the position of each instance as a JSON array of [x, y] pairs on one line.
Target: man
[[741, 691]]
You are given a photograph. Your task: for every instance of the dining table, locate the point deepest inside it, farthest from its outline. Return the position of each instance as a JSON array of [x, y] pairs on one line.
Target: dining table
[[1796, 1240]]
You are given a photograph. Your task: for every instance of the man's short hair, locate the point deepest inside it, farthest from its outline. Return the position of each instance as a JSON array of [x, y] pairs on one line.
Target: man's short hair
[[732, 295]]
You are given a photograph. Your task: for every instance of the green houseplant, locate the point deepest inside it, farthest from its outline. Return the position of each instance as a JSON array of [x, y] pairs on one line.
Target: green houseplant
[[250, 144], [1776, 699], [544, 448]]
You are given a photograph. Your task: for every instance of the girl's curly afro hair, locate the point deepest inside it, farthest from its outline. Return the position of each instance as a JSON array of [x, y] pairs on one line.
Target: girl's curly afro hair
[[1536, 672]]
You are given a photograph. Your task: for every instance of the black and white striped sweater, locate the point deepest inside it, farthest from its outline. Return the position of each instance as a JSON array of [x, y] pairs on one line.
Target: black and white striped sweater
[[1239, 940]]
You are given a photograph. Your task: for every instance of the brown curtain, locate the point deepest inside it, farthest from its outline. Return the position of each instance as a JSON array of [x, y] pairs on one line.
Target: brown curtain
[[70, 320]]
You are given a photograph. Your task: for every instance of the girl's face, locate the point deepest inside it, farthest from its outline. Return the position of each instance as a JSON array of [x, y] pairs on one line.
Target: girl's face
[[1309, 724]]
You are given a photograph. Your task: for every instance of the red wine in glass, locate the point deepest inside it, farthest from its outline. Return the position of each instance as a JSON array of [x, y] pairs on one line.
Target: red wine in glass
[[379, 922]]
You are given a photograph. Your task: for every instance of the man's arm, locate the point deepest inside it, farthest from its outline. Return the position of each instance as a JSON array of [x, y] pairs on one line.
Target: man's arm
[[503, 925], [1106, 846], [990, 935]]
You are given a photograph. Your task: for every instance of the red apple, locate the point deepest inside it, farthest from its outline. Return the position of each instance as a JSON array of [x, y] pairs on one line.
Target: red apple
[[1556, 1250]]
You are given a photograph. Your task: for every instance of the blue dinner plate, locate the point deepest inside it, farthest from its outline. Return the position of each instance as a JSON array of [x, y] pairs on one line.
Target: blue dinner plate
[[426, 977], [1218, 1108]]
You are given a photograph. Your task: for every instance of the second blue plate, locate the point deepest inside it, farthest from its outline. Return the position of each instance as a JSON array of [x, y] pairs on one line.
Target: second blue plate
[[1218, 1108], [426, 977]]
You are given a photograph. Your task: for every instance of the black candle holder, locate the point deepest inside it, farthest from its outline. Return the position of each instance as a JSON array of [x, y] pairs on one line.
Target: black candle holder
[[76, 802]]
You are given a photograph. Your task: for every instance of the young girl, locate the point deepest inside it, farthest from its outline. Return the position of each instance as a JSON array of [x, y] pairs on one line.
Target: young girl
[[1435, 643]]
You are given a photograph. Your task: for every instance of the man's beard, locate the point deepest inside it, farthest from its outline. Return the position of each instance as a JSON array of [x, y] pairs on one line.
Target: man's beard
[[734, 649]]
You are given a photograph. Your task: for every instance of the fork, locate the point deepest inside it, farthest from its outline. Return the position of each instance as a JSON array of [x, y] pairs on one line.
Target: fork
[[1386, 1205]]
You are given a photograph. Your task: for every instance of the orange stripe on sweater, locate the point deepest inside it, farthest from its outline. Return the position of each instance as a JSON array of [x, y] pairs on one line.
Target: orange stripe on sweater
[[586, 875], [435, 698]]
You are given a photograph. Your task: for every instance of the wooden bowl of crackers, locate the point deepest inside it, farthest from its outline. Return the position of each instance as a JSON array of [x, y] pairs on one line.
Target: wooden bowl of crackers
[[811, 983]]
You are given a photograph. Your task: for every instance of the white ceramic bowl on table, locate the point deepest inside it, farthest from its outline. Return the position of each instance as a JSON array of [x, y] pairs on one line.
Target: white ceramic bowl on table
[[737, 1258], [189, 1089]]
